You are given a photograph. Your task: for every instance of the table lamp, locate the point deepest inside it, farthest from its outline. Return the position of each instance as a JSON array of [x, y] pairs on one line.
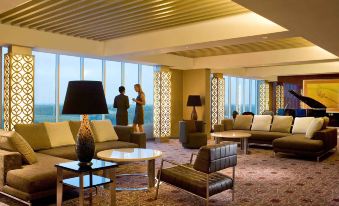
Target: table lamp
[[84, 98], [194, 100]]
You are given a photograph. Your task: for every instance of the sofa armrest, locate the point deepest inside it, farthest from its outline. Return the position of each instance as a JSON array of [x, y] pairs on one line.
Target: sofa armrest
[[139, 139], [218, 128], [124, 132], [328, 136], [8, 161], [228, 124]]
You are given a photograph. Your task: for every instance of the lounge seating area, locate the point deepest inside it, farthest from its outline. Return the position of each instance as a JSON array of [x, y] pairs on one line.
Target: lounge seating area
[[169, 103]]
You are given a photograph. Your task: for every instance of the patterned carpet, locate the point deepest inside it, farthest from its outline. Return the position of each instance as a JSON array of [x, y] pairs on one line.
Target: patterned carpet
[[261, 179]]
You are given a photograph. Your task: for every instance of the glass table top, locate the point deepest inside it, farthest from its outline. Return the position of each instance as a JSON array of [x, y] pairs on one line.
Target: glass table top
[[129, 154], [96, 165]]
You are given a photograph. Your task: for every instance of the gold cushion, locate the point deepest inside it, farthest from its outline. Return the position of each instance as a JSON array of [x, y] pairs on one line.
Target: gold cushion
[[103, 130], [262, 123], [282, 124], [59, 133], [301, 124], [35, 134], [243, 122], [326, 121], [22, 146], [315, 126], [75, 126], [4, 142]]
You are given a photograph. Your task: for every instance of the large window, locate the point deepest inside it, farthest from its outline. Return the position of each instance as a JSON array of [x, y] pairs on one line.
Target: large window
[[131, 78], [44, 87], [93, 71], [240, 95], [147, 85], [112, 82], [53, 72], [69, 70]]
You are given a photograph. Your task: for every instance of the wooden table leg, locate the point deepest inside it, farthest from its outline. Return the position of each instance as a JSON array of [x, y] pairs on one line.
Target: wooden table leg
[[151, 173], [59, 186], [111, 173], [245, 145], [81, 188]]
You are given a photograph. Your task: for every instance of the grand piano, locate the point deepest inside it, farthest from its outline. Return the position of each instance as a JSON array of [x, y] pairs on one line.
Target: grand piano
[[317, 109]]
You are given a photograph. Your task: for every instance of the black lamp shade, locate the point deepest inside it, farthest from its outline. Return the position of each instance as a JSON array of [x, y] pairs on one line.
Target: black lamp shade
[[194, 100], [85, 97]]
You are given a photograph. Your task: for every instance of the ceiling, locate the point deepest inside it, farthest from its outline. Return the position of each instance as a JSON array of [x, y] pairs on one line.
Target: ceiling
[[107, 19], [269, 45], [258, 38]]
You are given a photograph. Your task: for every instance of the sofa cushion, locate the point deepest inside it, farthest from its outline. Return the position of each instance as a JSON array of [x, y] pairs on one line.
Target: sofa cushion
[[243, 122], [301, 124], [316, 125], [59, 133], [36, 177], [4, 142], [298, 142], [66, 152], [267, 136], [100, 146], [261, 122], [326, 121], [282, 124], [35, 134], [22, 146], [74, 126], [103, 130]]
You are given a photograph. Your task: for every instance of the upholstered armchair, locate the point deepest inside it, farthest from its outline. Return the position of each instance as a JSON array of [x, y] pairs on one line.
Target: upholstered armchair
[[192, 134], [202, 178]]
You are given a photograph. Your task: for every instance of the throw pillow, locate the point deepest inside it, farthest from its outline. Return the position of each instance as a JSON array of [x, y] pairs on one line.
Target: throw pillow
[[74, 126], [4, 142], [282, 124], [103, 130], [243, 122], [22, 146], [315, 126], [261, 122], [59, 133], [301, 124], [326, 121], [35, 134]]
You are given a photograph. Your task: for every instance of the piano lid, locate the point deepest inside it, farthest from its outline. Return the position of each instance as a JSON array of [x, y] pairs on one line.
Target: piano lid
[[308, 100]]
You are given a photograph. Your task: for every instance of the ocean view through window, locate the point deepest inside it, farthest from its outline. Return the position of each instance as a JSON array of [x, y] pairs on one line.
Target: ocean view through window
[[54, 71]]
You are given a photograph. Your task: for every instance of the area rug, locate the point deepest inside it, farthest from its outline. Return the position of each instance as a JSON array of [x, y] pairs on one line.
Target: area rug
[[261, 179]]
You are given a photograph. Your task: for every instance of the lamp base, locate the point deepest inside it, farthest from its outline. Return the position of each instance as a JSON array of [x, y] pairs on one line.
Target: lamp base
[[194, 115], [85, 146]]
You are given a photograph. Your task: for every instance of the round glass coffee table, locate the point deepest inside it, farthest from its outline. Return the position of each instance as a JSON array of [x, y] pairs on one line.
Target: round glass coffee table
[[231, 135], [127, 155]]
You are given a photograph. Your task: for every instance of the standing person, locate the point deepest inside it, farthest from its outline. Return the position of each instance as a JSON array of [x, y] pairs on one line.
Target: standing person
[[121, 102], [138, 122]]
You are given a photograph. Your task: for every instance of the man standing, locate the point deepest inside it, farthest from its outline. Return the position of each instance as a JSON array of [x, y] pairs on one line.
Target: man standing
[[121, 102]]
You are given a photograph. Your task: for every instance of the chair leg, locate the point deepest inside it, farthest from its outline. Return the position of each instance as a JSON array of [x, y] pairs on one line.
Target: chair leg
[[206, 202], [158, 183]]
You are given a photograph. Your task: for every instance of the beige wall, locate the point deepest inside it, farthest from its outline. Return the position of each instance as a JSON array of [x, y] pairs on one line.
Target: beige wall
[[176, 101], [197, 82]]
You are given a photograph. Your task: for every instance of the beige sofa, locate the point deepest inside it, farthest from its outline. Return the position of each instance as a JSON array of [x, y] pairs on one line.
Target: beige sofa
[[28, 182], [281, 136]]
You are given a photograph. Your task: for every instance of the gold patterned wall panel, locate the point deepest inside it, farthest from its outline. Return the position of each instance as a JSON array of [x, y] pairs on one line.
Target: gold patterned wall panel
[[264, 96], [279, 97], [18, 90], [162, 104], [217, 99]]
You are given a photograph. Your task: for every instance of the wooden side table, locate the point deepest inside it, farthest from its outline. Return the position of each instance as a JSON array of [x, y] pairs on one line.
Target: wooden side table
[[86, 179], [231, 135]]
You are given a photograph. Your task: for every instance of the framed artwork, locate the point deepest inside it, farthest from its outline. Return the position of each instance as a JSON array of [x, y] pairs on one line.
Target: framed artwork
[[326, 91]]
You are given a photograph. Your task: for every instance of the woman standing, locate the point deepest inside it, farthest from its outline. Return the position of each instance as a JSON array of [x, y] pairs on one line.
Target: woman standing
[[138, 122]]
